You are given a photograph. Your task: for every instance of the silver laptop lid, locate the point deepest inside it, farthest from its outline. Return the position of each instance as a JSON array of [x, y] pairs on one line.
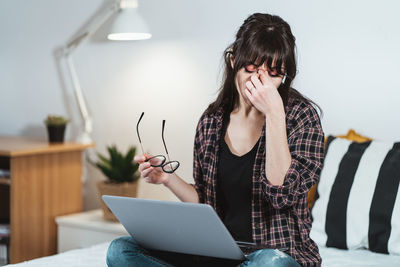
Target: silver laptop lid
[[175, 226]]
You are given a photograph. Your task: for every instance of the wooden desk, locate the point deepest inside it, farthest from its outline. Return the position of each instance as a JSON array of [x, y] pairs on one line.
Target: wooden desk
[[45, 182]]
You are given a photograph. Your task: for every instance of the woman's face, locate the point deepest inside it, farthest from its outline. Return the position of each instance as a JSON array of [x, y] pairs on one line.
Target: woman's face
[[245, 73]]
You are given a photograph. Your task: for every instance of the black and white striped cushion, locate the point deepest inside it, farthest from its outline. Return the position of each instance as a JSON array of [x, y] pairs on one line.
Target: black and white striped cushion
[[358, 203]]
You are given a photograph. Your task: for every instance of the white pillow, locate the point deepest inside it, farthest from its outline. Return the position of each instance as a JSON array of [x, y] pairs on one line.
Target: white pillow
[[358, 203]]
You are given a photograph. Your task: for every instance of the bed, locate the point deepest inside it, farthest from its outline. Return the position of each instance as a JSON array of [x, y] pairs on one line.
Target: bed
[[96, 255], [359, 215]]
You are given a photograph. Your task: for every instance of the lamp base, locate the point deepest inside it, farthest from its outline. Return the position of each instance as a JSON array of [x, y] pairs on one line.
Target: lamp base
[[84, 138]]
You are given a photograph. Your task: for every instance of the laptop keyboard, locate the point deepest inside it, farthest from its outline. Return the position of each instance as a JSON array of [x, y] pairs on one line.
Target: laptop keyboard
[[247, 250]]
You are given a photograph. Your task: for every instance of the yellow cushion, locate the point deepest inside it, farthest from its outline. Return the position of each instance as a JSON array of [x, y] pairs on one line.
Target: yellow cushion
[[352, 136]]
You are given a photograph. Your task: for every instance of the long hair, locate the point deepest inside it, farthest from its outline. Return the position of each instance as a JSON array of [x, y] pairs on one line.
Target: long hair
[[262, 38]]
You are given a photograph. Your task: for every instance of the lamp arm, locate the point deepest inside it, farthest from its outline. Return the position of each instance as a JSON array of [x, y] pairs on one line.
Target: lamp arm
[[92, 26], [87, 118], [69, 47]]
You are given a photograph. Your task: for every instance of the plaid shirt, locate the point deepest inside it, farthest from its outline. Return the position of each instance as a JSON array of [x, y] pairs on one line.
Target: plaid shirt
[[280, 215]]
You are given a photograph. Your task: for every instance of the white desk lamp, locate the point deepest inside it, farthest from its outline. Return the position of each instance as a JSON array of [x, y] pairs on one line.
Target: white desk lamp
[[127, 26]]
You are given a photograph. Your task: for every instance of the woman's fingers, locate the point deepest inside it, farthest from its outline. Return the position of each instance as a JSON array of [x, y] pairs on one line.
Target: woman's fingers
[[250, 86], [146, 172], [144, 166], [256, 81], [139, 158]]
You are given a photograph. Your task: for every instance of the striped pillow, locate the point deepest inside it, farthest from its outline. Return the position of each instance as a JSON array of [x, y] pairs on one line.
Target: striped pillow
[[359, 198]]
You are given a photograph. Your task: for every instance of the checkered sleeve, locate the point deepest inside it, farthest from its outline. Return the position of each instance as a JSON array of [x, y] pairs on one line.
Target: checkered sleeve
[[197, 172], [306, 145]]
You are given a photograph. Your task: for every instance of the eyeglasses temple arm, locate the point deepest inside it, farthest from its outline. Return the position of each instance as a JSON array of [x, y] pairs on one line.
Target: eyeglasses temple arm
[[162, 135], [137, 131]]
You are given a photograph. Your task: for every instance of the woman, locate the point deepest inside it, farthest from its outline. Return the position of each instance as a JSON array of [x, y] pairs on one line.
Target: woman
[[258, 150]]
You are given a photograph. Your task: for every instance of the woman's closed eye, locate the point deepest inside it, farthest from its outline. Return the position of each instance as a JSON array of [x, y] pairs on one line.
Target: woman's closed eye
[[250, 68], [253, 68], [273, 73]]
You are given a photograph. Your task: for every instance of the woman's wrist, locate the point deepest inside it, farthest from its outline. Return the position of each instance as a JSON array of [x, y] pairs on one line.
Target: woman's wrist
[[167, 181], [276, 118]]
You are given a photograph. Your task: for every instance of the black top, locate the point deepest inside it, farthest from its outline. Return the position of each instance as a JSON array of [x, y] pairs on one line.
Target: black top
[[234, 183]]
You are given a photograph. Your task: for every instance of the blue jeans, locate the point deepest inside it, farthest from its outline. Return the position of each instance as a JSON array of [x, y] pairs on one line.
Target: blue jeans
[[124, 251]]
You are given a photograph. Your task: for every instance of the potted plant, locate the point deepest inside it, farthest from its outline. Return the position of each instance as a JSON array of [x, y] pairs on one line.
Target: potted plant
[[122, 176], [56, 125]]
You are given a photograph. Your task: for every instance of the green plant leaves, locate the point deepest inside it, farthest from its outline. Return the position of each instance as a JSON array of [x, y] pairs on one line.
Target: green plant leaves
[[118, 168], [56, 120]]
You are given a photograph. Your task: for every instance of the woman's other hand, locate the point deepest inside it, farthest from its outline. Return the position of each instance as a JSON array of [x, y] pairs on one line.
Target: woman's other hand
[[153, 175]]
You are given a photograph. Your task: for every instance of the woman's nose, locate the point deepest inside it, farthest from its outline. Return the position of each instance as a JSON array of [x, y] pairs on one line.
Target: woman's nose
[[261, 68]]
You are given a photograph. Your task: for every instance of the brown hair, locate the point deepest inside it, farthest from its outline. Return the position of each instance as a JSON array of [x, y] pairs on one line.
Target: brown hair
[[262, 38]]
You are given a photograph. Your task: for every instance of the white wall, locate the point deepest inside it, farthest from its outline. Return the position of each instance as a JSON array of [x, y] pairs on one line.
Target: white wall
[[348, 63]]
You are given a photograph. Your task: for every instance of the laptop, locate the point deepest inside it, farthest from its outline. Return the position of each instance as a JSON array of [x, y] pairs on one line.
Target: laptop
[[180, 227]]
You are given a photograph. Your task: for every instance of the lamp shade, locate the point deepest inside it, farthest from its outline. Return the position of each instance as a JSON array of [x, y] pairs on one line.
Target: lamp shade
[[128, 25]]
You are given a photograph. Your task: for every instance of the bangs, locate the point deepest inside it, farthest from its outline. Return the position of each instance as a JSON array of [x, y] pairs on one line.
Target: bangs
[[262, 39], [268, 49]]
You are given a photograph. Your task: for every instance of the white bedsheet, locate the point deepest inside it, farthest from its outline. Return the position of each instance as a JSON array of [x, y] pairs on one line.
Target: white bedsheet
[[96, 256], [332, 257]]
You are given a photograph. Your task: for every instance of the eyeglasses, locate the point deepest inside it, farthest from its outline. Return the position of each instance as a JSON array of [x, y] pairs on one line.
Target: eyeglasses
[[250, 68], [159, 160]]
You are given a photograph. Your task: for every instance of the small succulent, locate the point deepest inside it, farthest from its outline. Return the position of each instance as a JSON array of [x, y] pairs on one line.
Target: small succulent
[[56, 120], [118, 168]]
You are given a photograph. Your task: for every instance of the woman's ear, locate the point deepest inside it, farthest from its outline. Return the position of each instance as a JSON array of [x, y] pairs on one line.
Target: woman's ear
[[232, 60]]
